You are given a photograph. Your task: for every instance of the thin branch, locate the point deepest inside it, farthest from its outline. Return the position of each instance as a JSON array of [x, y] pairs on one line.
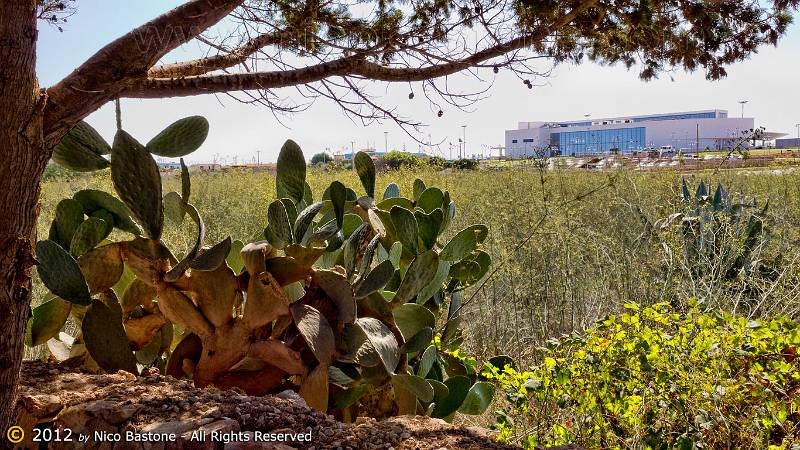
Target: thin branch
[[346, 66], [223, 61]]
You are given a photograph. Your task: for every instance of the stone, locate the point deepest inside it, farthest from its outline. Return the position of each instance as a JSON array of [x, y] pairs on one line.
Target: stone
[[177, 427], [42, 406]]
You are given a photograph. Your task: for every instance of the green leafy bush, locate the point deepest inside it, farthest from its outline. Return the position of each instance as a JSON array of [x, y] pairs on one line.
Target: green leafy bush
[[397, 160], [335, 166], [321, 158], [437, 162], [655, 378], [465, 164]]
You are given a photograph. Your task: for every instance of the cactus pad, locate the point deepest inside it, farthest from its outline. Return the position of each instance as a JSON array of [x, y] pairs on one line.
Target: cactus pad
[[138, 182], [81, 149], [316, 331], [91, 232], [464, 243], [102, 267], [47, 319], [371, 342], [291, 177], [106, 340], [212, 258], [421, 272], [61, 273], [181, 138], [366, 172], [69, 217], [94, 200]]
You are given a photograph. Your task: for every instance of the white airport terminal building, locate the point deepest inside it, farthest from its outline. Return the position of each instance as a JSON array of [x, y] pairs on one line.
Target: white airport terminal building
[[683, 131]]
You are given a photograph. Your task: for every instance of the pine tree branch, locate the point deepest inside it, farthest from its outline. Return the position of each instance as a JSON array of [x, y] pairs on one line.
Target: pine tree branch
[[106, 73]]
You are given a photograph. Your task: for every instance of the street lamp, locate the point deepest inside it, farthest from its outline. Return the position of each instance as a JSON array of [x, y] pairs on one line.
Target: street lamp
[[743, 102], [464, 130]]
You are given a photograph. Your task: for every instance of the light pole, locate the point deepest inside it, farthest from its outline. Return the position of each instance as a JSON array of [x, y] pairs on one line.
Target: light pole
[[464, 132], [386, 141], [743, 102]]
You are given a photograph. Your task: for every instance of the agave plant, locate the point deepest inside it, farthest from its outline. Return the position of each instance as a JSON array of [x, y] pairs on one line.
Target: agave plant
[[352, 300], [719, 236]]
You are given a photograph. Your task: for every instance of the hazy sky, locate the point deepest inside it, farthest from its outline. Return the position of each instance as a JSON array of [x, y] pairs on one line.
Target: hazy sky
[[770, 81]]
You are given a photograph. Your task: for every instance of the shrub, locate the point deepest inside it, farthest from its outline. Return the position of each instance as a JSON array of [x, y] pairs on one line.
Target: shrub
[[321, 158], [655, 378], [55, 171], [396, 160], [335, 166], [437, 162], [465, 164]]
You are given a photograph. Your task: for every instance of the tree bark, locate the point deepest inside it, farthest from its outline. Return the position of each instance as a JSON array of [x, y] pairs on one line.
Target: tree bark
[[24, 158]]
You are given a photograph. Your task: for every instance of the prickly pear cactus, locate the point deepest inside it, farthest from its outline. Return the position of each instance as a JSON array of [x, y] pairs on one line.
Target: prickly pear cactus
[[352, 300]]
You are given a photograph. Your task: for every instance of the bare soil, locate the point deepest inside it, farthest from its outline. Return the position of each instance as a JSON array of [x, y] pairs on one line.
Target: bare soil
[[131, 408]]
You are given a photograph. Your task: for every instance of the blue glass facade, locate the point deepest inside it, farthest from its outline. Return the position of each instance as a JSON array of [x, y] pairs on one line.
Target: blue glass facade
[[575, 143], [706, 115]]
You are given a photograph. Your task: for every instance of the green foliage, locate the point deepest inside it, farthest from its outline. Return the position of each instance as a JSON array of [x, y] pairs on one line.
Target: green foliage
[[590, 254], [465, 164], [657, 378], [721, 239], [437, 162], [645, 31], [321, 158], [47, 320], [82, 149], [138, 182], [181, 138], [361, 284], [397, 160], [337, 166], [57, 172], [60, 273], [105, 338]]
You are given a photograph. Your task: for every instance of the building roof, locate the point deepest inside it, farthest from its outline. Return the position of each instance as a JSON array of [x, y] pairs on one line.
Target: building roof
[[588, 121], [772, 135]]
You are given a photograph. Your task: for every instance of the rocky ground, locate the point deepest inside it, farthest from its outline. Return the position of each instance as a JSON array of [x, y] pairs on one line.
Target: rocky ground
[[120, 411]]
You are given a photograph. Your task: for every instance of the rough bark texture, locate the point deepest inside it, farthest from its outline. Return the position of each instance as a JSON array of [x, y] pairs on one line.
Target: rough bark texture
[[23, 161]]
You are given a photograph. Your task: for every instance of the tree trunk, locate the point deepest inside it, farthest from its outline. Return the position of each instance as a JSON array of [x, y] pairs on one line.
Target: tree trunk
[[24, 158]]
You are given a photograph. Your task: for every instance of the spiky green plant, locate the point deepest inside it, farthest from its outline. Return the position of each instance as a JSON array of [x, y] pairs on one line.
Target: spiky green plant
[[352, 300], [718, 235]]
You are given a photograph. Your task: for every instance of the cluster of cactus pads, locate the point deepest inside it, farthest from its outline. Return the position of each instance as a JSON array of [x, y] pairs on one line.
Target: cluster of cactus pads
[[354, 301]]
